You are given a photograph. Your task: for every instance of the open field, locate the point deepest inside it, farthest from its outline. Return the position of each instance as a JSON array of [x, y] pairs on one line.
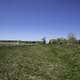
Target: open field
[[39, 62]]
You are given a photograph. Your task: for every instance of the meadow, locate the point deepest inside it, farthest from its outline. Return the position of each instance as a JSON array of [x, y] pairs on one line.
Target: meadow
[[40, 62]]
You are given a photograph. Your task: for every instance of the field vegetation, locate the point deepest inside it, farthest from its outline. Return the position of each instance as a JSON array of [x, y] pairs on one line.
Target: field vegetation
[[40, 62], [57, 60]]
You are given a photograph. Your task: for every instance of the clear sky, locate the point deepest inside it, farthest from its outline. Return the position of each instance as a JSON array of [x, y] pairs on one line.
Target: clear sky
[[34, 19]]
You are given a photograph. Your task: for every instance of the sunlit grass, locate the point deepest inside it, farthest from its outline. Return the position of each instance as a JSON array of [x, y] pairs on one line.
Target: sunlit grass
[[39, 62]]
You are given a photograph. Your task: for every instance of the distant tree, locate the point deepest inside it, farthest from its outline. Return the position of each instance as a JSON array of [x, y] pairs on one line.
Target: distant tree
[[71, 37], [52, 41], [61, 40], [44, 40], [57, 41]]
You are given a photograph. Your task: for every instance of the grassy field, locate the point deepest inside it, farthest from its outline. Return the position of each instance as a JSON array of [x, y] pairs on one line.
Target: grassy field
[[39, 62]]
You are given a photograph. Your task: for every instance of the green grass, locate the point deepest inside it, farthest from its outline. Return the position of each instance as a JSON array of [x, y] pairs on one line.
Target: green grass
[[39, 62]]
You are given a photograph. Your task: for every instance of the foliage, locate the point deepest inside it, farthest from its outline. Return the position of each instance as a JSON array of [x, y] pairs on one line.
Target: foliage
[[71, 37], [44, 40]]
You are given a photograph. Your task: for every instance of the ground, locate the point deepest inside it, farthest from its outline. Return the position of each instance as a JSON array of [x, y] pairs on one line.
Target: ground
[[40, 62]]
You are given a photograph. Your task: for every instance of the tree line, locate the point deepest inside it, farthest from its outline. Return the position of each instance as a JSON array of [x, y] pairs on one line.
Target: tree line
[[71, 39]]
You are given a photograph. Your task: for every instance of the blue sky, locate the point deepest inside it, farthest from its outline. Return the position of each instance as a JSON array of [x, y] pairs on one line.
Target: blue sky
[[34, 19]]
